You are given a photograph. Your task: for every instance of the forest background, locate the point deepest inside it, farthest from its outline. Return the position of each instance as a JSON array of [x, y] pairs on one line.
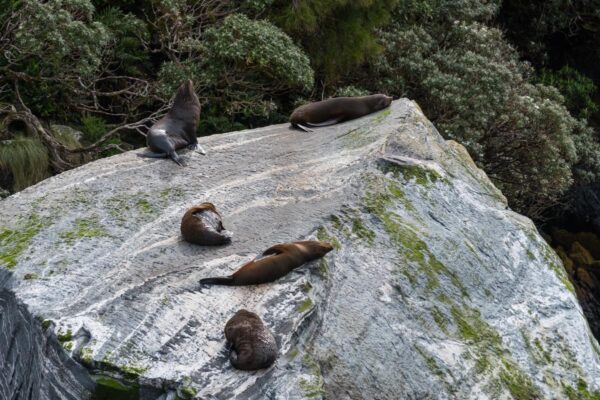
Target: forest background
[[515, 82]]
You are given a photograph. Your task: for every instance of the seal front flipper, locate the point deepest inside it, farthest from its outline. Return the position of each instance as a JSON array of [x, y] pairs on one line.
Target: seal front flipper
[[274, 250], [152, 155], [332, 121], [302, 127], [197, 148], [221, 280]]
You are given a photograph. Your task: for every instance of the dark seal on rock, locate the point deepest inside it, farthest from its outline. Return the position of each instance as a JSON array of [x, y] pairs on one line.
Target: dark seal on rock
[[203, 225], [177, 129], [274, 263], [337, 109], [253, 344]]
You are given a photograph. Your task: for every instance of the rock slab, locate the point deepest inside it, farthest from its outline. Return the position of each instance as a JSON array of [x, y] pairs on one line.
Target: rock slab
[[435, 289]]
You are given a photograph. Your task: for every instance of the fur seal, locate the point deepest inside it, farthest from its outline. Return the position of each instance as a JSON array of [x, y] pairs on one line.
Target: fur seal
[[337, 109], [253, 344], [177, 129], [274, 263], [202, 224]]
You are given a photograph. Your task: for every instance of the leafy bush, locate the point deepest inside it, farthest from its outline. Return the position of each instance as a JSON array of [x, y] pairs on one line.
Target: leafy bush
[[471, 84]]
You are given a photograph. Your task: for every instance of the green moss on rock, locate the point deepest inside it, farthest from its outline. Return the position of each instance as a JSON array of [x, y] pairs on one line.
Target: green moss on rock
[[312, 387], [64, 337], [324, 236], [13, 242], [359, 229], [109, 388], [305, 305], [518, 384], [84, 228]]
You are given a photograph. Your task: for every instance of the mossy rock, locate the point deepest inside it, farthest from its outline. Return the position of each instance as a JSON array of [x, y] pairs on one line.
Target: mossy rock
[[580, 255]]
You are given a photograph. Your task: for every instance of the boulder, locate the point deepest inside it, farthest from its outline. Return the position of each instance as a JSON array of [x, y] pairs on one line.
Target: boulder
[[435, 289]]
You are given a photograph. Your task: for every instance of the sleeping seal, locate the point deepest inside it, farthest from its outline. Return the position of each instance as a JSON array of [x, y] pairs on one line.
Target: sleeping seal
[[202, 224], [337, 109], [253, 344]]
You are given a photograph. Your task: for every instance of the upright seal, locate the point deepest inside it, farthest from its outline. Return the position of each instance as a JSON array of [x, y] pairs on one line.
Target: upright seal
[[202, 224], [337, 109], [177, 129], [253, 344], [274, 263]]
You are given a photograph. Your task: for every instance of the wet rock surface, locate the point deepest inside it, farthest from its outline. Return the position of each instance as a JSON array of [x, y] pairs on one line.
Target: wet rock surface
[[435, 288]]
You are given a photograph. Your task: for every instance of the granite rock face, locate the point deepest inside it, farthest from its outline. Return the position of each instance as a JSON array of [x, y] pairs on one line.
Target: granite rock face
[[435, 288]]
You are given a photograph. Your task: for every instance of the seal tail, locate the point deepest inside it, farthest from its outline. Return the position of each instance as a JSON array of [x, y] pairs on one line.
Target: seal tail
[[175, 157], [221, 280]]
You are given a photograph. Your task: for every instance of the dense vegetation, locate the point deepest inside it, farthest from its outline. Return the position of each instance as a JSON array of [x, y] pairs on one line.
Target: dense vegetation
[[511, 80]]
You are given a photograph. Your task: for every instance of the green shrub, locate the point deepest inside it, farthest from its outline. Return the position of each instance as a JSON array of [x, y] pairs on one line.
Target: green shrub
[[26, 159], [470, 82], [93, 128]]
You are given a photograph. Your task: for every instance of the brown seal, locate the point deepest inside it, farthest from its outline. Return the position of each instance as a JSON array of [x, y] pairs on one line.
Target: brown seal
[[177, 129], [253, 344], [337, 109], [274, 263], [202, 224]]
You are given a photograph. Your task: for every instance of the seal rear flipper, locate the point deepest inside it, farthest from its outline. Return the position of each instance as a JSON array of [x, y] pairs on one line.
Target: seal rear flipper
[[221, 280], [152, 155], [175, 157], [302, 127]]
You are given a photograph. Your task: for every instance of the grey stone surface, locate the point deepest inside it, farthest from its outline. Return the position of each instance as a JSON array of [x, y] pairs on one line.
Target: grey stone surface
[[436, 289]]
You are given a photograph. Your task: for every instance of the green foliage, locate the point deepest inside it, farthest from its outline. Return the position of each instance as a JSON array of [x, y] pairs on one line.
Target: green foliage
[[93, 128], [260, 49], [127, 36], [26, 159], [577, 89], [52, 44], [337, 34], [471, 84]]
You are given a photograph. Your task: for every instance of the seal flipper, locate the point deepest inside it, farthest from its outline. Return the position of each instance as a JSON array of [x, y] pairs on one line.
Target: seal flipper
[[221, 280], [152, 155], [197, 148], [175, 157], [274, 250], [302, 127], [332, 121]]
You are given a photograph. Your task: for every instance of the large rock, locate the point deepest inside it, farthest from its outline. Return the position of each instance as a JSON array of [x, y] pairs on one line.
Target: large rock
[[435, 290]]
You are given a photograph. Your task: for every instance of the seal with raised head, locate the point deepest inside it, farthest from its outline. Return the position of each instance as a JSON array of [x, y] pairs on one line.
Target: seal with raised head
[[177, 129], [253, 344], [337, 109], [274, 263], [202, 224]]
